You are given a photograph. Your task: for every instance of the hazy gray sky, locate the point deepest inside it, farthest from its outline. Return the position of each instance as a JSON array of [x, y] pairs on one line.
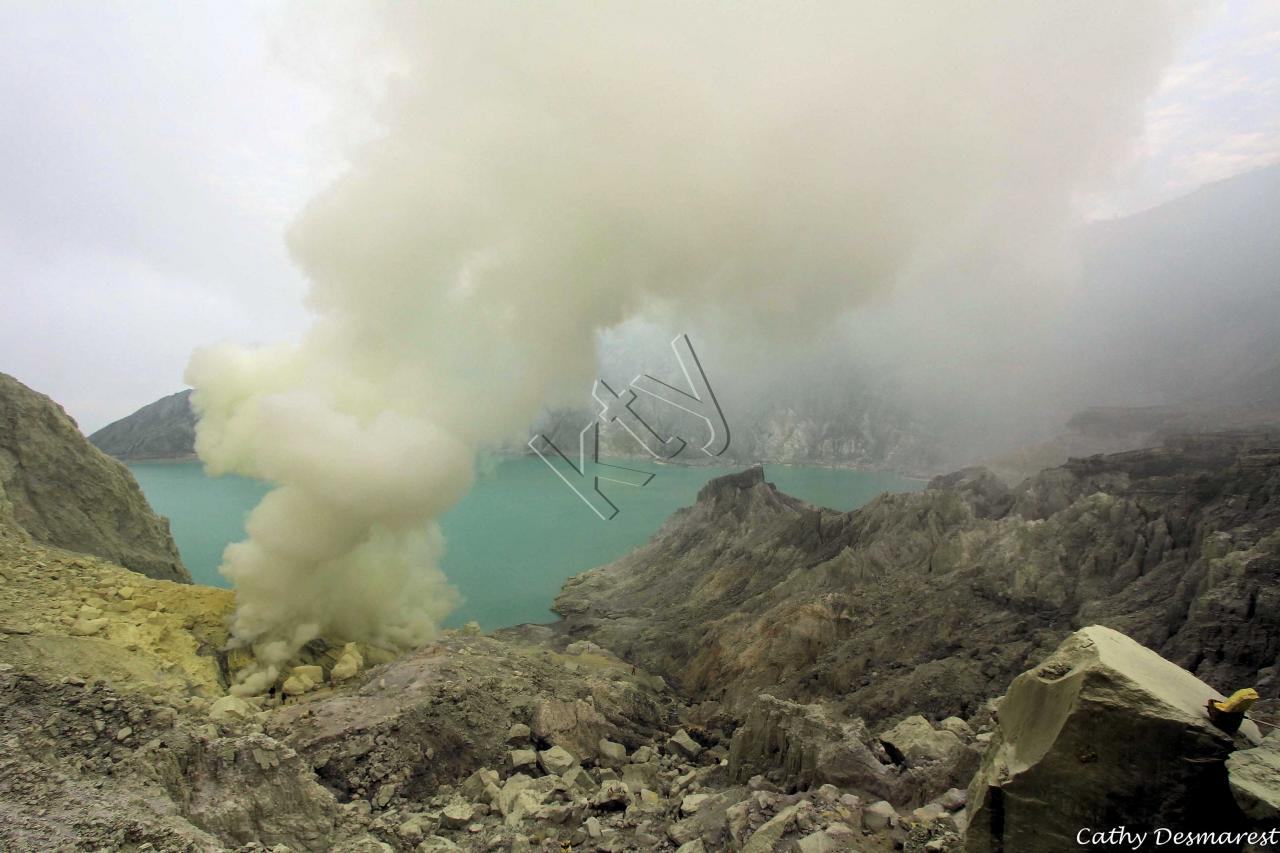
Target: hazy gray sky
[[154, 154]]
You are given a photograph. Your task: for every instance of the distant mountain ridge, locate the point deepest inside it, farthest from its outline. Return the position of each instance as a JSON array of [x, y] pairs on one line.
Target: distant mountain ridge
[[165, 429], [1177, 313]]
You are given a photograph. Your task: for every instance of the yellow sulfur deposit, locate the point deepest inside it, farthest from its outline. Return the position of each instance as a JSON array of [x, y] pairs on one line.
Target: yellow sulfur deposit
[[63, 613], [1238, 702]]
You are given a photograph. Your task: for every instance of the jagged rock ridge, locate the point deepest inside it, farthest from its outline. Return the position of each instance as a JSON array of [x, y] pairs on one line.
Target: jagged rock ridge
[[117, 732], [62, 491], [931, 602]]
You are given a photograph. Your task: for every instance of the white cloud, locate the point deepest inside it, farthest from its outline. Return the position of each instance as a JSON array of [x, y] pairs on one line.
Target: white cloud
[[1216, 113], [151, 160]]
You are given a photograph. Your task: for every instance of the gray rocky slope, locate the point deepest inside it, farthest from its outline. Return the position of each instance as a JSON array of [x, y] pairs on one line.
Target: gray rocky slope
[[931, 602], [165, 429], [62, 491], [805, 680], [764, 675], [118, 735]]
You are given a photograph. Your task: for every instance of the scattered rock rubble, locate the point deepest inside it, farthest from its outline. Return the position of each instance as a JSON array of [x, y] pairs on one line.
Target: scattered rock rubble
[[117, 733], [123, 738]]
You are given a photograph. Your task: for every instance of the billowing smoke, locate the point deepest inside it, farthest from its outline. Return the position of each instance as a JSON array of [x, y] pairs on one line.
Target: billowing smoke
[[544, 171]]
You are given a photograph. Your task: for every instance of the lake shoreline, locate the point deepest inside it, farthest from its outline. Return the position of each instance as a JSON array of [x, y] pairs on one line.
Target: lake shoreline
[[518, 534]]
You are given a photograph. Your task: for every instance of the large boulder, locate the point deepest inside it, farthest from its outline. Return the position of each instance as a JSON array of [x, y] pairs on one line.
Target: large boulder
[[799, 747], [573, 724], [1104, 733], [249, 789], [916, 745]]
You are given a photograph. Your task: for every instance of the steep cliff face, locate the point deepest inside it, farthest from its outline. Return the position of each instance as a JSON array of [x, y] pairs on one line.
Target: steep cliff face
[[165, 429], [62, 491], [932, 602]]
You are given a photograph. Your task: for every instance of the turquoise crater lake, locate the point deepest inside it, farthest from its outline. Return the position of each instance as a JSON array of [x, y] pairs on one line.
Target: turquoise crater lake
[[515, 538]]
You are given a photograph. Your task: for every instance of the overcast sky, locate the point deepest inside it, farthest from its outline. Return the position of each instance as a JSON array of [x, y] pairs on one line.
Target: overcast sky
[[153, 155]]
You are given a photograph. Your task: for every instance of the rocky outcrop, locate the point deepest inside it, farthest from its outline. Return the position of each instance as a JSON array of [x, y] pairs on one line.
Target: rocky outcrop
[[62, 491], [65, 614], [929, 603], [1104, 733], [114, 724], [165, 429], [1254, 775], [116, 732], [831, 656], [799, 747], [434, 715]]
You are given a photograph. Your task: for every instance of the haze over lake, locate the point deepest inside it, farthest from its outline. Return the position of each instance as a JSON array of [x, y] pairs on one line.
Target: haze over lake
[[517, 535]]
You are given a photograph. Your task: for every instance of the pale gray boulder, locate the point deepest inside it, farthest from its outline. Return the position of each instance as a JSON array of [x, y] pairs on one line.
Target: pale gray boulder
[[1103, 733], [1254, 775]]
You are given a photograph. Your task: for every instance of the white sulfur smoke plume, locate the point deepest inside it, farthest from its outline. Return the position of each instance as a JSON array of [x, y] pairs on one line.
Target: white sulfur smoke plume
[[547, 170]]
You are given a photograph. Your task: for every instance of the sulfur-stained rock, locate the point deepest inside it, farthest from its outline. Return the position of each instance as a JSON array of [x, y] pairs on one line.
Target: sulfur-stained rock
[[303, 679], [1103, 733], [348, 665], [294, 686], [88, 627], [230, 708], [818, 842], [510, 792], [957, 727]]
